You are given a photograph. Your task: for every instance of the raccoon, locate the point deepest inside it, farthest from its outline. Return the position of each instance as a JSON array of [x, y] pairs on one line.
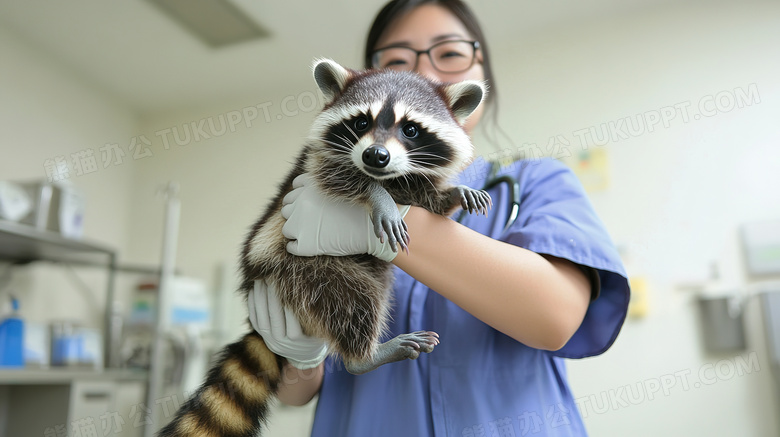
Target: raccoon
[[383, 138]]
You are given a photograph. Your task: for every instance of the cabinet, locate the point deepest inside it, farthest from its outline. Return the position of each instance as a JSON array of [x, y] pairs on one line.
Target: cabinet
[[34, 402], [52, 402]]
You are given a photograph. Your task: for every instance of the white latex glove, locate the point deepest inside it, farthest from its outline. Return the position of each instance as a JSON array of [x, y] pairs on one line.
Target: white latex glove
[[319, 225], [281, 331]]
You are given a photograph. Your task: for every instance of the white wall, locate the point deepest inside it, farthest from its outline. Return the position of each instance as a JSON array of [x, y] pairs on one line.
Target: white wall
[[227, 172], [678, 194], [47, 111]]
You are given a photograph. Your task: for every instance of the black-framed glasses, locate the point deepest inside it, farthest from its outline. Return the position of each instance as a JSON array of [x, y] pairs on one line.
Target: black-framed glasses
[[454, 56]]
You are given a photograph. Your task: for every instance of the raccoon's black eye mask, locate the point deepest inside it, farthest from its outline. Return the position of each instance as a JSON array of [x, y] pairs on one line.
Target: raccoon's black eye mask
[[342, 137]]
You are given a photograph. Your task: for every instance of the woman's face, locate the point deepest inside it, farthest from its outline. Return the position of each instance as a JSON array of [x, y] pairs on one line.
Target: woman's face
[[425, 26]]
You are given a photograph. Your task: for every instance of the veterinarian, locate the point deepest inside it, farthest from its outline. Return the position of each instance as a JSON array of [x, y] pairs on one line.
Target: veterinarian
[[509, 304]]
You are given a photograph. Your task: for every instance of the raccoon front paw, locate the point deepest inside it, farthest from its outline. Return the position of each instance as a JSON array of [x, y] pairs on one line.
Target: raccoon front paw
[[472, 200], [389, 222]]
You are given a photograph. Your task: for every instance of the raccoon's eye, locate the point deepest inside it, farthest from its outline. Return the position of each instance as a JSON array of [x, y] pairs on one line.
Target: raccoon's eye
[[361, 124], [410, 130]]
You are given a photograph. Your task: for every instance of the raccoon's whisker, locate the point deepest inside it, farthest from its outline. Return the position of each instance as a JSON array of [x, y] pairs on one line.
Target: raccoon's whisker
[[346, 141], [415, 154], [350, 130], [420, 171], [419, 152], [421, 164], [404, 178], [339, 147], [439, 143], [421, 149], [409, 182]]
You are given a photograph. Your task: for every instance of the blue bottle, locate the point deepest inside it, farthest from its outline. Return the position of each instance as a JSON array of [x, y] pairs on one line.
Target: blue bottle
[[12, 338]]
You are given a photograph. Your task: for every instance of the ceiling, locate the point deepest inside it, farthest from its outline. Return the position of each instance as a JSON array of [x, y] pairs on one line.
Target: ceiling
[[137, 54]]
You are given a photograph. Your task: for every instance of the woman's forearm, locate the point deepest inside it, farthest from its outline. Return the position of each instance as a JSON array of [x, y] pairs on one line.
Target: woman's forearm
[[298, 387], [538, 300]]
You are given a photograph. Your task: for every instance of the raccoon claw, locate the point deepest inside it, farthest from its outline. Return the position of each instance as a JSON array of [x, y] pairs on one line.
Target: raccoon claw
[[398, 235], [420, 341], [394, 228], [402, 236], [410, 346], [471, 200], [484, 201]]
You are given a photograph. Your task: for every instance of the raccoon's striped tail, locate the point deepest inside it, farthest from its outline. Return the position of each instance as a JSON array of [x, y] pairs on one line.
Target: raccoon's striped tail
[[234, 399]]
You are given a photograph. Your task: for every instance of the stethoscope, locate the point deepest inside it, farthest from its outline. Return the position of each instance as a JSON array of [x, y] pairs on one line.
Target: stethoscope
[[514, 193]]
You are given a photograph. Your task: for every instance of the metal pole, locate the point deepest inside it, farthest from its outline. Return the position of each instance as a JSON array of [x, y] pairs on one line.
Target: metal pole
[[162, 325], [113, 328]]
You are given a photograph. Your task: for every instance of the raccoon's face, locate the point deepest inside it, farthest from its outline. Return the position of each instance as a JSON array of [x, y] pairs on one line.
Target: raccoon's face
[[388, 124]]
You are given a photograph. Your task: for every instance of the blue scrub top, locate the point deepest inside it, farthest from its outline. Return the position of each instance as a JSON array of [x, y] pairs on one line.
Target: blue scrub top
[[478, 381]]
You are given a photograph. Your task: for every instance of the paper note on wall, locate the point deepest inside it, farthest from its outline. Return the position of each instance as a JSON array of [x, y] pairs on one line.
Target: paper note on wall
[[638, 306], [592, 168]]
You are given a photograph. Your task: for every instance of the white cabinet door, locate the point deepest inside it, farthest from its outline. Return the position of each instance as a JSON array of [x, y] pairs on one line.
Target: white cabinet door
[[92, 406]]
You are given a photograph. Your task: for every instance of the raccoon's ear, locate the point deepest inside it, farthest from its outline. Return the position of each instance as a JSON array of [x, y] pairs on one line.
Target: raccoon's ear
[[331, 78], [464, 98]]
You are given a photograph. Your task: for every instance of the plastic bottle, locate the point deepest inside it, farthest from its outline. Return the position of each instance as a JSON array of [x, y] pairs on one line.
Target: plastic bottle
[[12, 338]]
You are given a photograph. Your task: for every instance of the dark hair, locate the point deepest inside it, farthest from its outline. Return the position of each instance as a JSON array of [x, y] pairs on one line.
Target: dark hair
[[396, 8]]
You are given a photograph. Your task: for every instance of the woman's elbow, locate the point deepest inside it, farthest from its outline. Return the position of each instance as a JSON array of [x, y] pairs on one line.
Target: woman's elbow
[[551, 337], [559, 331], [555, 342], [565, 318]]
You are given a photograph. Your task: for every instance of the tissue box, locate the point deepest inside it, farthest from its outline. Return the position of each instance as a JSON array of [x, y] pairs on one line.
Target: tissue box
[[57, 207]]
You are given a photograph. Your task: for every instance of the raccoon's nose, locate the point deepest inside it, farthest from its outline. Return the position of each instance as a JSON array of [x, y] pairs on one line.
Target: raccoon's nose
[[376, 156]]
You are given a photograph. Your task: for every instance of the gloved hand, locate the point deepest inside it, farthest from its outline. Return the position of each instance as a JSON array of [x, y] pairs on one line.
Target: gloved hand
[[281, 331], [319, 225]]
